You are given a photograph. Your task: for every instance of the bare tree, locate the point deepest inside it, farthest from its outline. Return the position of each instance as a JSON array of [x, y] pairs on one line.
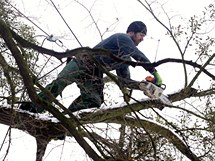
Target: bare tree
[[140, 135]]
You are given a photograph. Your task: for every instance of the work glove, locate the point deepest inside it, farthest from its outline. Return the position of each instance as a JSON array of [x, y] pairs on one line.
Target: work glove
[[158, 80]]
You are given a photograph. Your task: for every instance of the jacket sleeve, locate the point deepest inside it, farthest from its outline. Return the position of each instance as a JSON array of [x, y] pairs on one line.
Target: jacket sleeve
[[131, 50], [139, 56]]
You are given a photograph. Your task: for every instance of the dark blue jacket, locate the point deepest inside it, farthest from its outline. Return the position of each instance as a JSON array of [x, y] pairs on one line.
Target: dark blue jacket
[[121, 45]]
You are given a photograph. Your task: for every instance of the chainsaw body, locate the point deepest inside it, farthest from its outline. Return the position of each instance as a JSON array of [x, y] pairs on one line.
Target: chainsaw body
[[153, 91], [150, 89]]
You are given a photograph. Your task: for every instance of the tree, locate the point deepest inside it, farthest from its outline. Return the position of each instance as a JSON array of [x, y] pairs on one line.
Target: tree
[[143, 132]]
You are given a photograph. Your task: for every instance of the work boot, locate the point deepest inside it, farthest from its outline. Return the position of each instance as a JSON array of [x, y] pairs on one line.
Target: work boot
[[31, 107]]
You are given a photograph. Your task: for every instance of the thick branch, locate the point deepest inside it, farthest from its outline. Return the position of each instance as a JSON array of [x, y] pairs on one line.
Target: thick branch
[[46, 128], [40, 128], [30, 123]]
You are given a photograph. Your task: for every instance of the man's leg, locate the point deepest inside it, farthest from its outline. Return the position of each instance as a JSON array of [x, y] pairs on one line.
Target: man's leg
[[91, 96], [67, 76]]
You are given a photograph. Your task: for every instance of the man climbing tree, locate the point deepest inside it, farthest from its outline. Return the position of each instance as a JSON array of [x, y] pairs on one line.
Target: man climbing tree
[[133, 131], [85, 71]]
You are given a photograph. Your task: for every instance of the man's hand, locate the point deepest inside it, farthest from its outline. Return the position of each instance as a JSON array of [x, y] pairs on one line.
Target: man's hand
[[158, 80]]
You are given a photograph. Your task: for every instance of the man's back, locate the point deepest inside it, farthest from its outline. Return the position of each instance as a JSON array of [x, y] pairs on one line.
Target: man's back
[[117, 44], [120, 45]]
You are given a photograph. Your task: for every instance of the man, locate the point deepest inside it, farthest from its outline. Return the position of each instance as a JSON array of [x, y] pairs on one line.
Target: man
[[88, 75]]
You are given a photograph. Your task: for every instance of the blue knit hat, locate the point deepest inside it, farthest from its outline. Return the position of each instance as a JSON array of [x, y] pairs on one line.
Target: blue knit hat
[[137, 26]]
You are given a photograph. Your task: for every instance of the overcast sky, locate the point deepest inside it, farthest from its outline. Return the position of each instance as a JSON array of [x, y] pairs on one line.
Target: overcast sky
[[105, 13]]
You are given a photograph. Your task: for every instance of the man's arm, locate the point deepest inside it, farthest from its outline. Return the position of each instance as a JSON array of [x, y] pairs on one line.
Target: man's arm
[[128, 47], [139, 56]]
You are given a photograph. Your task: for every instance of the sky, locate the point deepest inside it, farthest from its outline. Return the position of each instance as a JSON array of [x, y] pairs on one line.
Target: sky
[[120, 14]]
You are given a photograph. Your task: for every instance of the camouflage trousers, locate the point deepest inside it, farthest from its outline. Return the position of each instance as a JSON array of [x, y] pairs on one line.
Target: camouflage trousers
[[89, 80]]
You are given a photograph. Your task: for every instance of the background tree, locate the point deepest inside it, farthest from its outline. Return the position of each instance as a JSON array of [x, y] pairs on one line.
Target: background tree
[[137, 130]]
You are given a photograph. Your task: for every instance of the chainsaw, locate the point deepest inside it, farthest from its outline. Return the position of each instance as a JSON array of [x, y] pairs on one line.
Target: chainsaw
[[153, 91]]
